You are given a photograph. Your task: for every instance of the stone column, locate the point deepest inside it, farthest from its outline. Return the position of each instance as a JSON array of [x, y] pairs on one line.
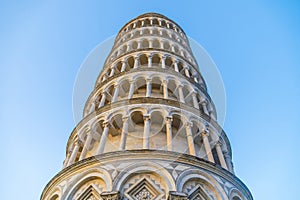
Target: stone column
[[165, 88], [150, 41], [112, 72], [103, 98], [92, 108], [74, 152], [169, 133], [116, 93], [163, 62], [151, 31], [131, 89], [204, 106], [86, 146], [186, 71], [139, 44], [195, 101], [104, 77], [172, 48], [195, 79], [146, 138], [160, 32], [228, 162], [136, 62], [128, 47], [159, 22], [176, 66], [150, 60], [67, 158], [123, 66], [211, 111], [208, 151], [103, 138], [124, 133], [162, 42], [151, 21], [180, 92], [97, 101], [182, 53], [190, 139], [220, 155], [148, 88]]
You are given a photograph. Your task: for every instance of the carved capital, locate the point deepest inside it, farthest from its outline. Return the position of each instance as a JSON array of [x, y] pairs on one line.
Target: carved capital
[[116, 85], [169, 119], [146, 117], [203, 102], [78, 143], [125, 118], [204, 133], [105, 124], [188, 124], [69, 152], [219, 143], [104, 92], [165, 82]]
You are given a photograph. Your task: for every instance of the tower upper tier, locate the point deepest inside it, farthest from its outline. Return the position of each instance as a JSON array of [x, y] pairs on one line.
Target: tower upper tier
[[166, 40], [150, 94]]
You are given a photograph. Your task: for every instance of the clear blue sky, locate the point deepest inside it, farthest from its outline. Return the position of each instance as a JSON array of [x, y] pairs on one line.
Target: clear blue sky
[[255, 45]]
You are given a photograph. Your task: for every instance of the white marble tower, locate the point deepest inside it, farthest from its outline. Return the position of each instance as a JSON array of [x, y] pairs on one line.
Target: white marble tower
[[149, 129]]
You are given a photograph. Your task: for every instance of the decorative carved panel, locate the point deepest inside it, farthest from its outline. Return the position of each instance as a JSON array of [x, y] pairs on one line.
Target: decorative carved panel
[[144, 189]]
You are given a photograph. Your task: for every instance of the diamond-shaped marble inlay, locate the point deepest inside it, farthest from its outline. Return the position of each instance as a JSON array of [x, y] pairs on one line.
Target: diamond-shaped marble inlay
[[89, 194], [144, 194], [91, 198], [144, 190], [198, 193], [95, 186], [198, 197]]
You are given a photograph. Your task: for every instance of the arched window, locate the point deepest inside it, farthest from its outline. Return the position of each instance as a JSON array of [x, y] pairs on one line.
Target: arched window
[[136, 126], [143, 60]]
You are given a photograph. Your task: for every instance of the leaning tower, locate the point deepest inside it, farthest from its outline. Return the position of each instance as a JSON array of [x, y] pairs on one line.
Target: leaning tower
[[149, 129]]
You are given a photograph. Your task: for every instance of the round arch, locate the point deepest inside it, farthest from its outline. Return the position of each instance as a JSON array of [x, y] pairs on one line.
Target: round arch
[[144, 167], [86, 176], [190, 174]]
